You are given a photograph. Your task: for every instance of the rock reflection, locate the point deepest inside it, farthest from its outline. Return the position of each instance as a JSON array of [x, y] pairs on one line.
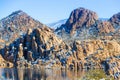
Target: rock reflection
[[35, 74], [40, 74], [6, 74]]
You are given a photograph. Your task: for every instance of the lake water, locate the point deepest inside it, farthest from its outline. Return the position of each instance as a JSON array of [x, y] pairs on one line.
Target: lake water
[[50, 74]]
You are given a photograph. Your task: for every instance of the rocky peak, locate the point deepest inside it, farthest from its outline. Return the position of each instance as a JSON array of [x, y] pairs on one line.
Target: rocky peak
[[15, 16], [81, 17], [19, 12]]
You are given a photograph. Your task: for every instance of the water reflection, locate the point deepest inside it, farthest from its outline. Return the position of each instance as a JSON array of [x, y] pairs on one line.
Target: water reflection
[[41, 74]]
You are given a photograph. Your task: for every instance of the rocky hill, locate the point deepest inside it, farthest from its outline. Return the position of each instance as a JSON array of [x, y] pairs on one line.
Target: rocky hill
[[81, 17], [15, 25]]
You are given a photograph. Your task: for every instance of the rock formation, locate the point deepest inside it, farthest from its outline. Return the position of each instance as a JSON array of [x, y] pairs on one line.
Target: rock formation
[[84, 24], [20, 51], [15, 25], [81, 17], [79, 20], [39, 46], [45, 49]]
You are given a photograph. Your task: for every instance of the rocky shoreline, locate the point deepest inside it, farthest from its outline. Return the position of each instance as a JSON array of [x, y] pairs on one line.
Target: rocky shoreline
[[42, 47]]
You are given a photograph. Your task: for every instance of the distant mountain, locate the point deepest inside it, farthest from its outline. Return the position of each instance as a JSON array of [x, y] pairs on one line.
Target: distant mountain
[[57, 24], [16, 24]]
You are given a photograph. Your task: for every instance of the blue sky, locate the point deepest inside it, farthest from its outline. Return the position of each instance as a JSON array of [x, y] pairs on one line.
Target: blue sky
[[48, 11]]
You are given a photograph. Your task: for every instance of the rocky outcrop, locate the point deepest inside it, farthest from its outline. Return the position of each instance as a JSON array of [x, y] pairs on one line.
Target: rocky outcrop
[[39, 43]]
